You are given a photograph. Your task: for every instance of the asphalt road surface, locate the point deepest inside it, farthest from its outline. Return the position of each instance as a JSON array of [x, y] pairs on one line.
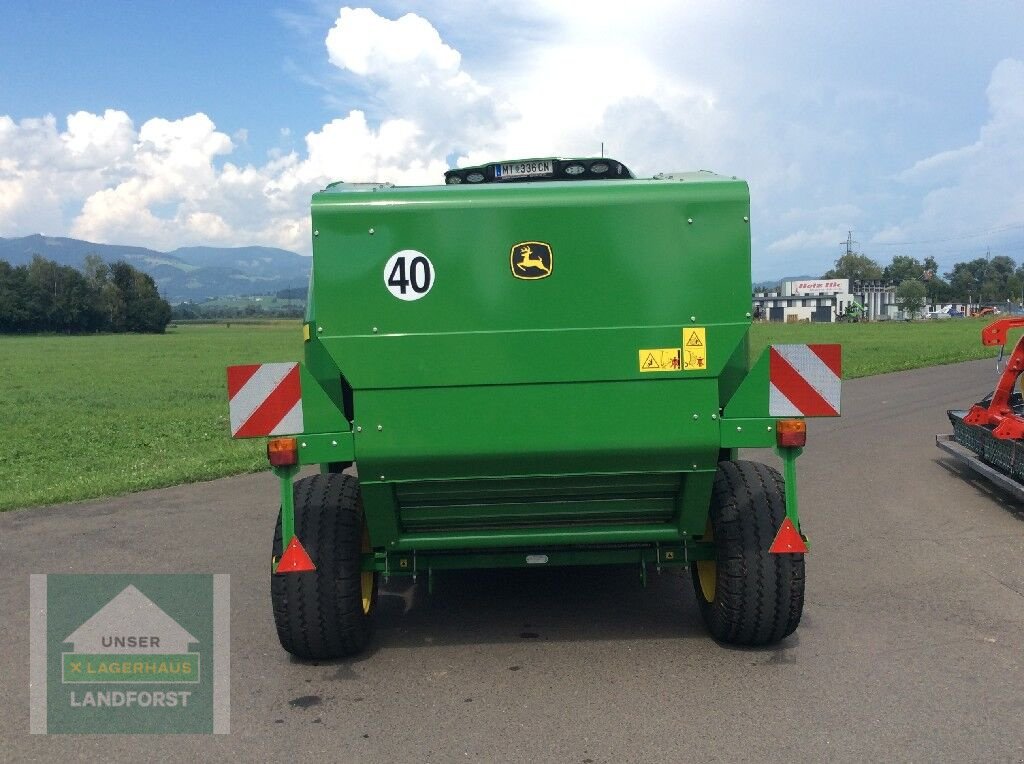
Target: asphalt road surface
[[911, 646]]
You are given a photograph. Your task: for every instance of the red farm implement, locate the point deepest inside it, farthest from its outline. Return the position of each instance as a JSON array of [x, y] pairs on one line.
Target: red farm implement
[[989, 437]]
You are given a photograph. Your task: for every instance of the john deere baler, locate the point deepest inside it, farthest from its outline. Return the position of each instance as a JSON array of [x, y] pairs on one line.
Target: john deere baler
[[538, 363]]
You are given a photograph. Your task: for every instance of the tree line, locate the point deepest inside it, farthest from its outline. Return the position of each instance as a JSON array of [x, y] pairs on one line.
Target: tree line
[[290, 303], [189, 311], [982, 280], [44, 296]]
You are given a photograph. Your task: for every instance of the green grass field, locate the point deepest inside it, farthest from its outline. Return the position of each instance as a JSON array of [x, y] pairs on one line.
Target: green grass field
[[104, 415], [110, 414], [887, 346]]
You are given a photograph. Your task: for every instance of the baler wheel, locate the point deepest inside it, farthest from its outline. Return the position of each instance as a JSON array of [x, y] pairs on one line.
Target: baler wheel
[[325, 613], [757, 597]]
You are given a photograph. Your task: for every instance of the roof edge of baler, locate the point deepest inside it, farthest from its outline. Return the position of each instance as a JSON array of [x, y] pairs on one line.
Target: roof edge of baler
[[485, 176]]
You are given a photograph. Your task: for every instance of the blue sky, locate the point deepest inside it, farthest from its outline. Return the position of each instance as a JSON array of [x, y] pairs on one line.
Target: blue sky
[[168, 124]]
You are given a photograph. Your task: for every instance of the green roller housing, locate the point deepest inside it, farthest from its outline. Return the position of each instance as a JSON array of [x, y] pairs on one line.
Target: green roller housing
[[499, 411]]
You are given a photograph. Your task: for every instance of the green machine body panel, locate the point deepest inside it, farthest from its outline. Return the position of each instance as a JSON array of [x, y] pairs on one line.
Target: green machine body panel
[[573, 408]]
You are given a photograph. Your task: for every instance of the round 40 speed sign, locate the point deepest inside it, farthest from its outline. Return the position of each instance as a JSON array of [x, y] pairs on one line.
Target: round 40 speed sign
[[409, 274]]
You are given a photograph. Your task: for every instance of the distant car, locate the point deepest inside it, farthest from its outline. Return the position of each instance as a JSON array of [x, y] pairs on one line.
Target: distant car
[[988, 312], [954, 313]]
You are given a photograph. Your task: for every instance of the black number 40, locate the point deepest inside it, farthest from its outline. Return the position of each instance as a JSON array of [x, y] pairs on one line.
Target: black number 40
[[417, 276]]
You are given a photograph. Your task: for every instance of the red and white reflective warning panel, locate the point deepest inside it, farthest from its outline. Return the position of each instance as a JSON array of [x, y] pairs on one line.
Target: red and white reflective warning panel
[[264, 399], [805, 380]]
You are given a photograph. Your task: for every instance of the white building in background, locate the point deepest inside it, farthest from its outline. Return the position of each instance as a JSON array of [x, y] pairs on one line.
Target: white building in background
[[823, 300]]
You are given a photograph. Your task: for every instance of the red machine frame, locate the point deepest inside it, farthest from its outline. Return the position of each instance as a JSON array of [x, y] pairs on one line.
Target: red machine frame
[[999, 412]]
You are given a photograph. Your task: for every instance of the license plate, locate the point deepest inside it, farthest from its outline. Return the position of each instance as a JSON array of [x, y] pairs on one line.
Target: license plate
[[523, 169]]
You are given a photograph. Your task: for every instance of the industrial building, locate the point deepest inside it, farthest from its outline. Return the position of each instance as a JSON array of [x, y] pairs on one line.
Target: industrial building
[[824, 300]]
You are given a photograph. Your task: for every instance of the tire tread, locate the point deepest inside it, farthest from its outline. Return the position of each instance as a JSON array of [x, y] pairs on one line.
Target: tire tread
[[759, 595], [319, 614]]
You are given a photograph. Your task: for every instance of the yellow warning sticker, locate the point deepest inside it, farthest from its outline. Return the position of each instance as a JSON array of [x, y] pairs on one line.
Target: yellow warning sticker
[[659, 359], [695, 349]]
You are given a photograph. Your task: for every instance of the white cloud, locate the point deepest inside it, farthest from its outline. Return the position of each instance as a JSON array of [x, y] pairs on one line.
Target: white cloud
[[844, 213], [674, 87], [171, 181], [97, 141], [976, 187], [825, 239], [943, 165], [368, 44], [171, 164], [419, 81], [162, 185]]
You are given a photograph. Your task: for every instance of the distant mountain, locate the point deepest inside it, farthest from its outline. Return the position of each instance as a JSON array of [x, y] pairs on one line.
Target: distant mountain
[[187, 273]]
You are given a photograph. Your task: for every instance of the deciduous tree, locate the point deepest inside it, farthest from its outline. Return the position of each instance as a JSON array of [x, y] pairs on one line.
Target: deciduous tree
[[856, 267], [910, 297]]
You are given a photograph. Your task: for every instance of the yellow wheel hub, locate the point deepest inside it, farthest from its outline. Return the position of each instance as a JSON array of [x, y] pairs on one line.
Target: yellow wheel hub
[[367, 577], [707, 570], [366, 585]]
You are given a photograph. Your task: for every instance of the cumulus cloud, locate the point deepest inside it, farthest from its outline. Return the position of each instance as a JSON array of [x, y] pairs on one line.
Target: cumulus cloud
[[824, 239], [419, 79], [170, 163], [171, 182], [975, 187], [42, 168], [368, 44], [563, 81], [149, 185]]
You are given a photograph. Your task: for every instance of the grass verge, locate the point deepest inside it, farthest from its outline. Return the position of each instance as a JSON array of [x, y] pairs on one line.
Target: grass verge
[[105, 415], [879, 348], [102, 415]]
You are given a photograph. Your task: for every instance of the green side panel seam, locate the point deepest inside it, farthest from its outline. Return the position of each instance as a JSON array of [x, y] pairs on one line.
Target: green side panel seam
[[751, 398]]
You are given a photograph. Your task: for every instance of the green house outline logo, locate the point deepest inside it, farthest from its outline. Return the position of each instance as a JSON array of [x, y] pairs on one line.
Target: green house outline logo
[[130, 640]]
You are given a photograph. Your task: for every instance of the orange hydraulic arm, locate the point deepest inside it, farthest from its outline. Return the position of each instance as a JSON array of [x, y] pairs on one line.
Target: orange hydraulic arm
[[999, 412]]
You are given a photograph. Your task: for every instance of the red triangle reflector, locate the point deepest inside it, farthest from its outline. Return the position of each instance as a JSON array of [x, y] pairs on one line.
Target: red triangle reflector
[[295, 559], [788, 540]]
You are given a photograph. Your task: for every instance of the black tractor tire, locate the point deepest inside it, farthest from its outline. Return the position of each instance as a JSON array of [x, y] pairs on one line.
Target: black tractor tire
[[757, 597], [325, 613]]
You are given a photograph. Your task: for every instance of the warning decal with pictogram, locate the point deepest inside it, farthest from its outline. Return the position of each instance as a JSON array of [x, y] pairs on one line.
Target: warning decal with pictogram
[[264, 399], [805, 380], [659, 359], [695, 348]]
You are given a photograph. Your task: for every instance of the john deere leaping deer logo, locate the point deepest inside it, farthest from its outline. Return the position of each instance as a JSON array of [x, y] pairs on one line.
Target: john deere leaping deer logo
[[532, 260]]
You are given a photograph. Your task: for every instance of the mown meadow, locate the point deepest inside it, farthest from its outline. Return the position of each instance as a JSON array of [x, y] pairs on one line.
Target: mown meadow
[[886, 346], [91, 416]]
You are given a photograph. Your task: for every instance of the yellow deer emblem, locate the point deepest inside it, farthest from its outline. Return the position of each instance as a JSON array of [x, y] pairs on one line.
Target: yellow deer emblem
[[527, 260]]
